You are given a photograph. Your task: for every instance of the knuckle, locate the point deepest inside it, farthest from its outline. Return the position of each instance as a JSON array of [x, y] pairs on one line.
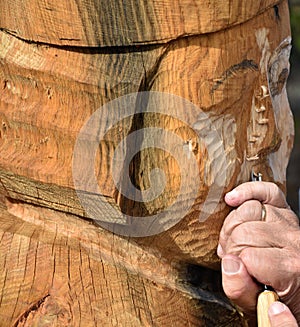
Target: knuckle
[[249, 209], [238, 235], [246, 256], [237, 240], [227, 226], [273, 192]]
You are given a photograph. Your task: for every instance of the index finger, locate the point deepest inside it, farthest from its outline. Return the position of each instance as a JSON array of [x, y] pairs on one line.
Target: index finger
[[265, 192]]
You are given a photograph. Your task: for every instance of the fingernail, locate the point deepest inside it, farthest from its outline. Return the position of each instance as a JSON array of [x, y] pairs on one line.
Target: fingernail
[[230, 266], [276, 308], [220, 251]]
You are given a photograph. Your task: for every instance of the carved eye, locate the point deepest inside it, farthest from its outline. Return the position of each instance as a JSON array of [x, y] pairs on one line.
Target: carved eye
[[282, 78], [278, 70], [277, 83]]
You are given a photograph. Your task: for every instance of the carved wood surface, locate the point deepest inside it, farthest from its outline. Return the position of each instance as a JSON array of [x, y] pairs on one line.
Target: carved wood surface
[[58, 267], [114, 23], [62, 271]]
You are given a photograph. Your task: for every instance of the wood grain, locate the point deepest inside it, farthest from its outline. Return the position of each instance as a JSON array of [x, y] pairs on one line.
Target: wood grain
[[45, 100], [118, 23], [57, 269], [265, 299], [229, 60]]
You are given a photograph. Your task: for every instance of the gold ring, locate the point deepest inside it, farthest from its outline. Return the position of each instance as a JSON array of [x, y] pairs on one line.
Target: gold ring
[[263, 213]]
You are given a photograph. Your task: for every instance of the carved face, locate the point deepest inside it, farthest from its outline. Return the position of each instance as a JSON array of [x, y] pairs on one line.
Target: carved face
[[237, 78]]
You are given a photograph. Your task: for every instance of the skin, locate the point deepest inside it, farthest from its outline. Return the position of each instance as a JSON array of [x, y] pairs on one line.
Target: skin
[[256, 252], [281, 316]]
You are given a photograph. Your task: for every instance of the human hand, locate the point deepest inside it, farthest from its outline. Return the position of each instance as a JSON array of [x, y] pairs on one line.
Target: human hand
[[281, 316], [255, 251]]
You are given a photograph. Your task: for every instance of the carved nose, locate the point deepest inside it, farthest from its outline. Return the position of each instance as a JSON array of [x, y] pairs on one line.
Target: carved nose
[[263, 134]]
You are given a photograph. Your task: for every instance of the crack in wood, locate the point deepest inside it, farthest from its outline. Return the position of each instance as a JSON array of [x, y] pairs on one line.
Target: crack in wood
[[34, 308]]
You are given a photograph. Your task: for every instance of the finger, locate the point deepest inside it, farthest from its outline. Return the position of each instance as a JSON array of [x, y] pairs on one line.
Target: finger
[[281, 316], [255, 234], [238, 284], [271, 266], [264, 192], [284, 215], [261, 235], [248, 211], [244, 227]]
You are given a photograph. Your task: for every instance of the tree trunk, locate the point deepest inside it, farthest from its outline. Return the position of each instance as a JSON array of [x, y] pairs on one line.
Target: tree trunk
[[95, 96]]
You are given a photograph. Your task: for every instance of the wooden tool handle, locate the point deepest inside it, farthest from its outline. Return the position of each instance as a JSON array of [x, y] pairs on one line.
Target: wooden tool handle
[[265, 299]]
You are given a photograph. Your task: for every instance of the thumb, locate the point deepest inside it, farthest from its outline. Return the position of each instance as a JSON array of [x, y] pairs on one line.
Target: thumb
[[238, 285], [281, 316]]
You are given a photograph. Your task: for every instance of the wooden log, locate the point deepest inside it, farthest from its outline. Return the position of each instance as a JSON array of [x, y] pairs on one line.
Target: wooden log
[[119, 23], [229, 60], [63, 271]]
